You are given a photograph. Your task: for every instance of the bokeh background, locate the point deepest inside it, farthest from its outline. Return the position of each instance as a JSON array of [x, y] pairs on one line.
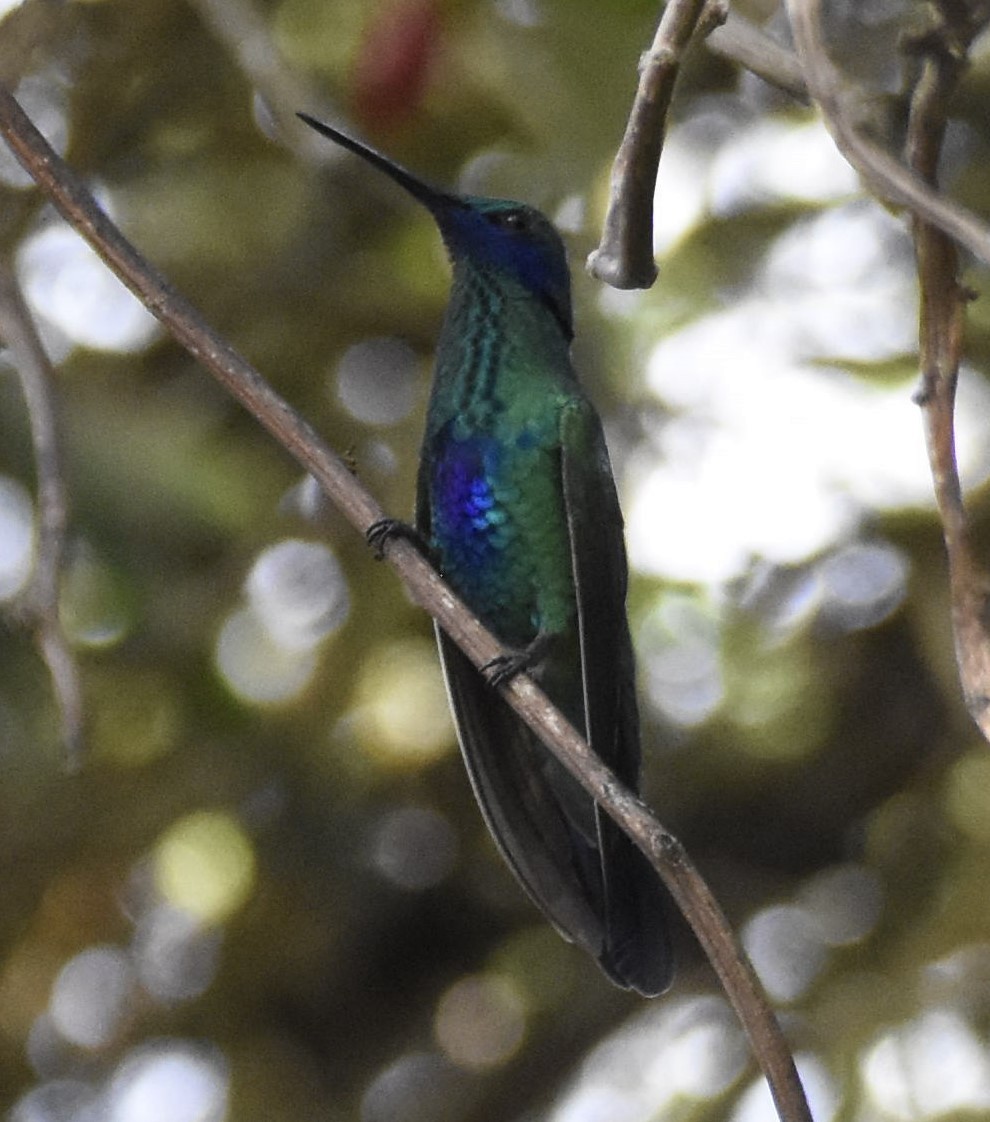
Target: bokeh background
[[269, 895]]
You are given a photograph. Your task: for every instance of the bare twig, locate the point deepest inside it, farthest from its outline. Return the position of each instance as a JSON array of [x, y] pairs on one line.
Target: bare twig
[[742, 42], [76, 204], [883, 174], [624, 257], [942, 319], [39, 605]]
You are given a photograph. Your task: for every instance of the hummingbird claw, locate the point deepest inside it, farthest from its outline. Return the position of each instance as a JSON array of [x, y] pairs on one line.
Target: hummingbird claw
[[380, 533], [503, 668]]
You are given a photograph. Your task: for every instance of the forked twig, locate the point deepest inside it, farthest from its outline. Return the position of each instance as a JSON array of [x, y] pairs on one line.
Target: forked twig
[[886, 177]]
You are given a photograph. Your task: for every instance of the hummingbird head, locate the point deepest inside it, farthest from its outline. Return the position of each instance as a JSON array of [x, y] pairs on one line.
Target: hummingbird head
[[512, 239], [499, 235]]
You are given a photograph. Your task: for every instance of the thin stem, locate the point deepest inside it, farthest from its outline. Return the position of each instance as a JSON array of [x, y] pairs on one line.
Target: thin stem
[[39, 606], [886, 177], [942, 321]]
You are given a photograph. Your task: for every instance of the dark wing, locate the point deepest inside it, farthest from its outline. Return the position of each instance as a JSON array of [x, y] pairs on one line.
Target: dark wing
[[636, 950], [542, 822], [526, 798]]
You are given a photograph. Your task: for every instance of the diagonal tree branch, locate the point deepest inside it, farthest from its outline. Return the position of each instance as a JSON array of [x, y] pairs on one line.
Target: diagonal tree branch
[[76, 204], [885, 176]]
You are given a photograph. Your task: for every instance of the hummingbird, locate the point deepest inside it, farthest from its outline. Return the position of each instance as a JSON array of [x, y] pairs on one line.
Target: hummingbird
[[516, 502]]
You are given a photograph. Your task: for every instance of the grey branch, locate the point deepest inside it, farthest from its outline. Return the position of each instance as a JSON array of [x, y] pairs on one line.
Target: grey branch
[[883, 174]]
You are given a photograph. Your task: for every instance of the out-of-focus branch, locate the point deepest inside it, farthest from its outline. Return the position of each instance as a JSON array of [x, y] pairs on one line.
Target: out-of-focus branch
[[743, 989], [883, 174], [742, 42], [942, 320], [243, 31], [38, 606], [624, 257]]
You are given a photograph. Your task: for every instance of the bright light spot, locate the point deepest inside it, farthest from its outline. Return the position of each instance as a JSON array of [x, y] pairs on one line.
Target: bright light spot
[[402, 716], [204, 864], [843, 904], [688, 152], [967, 795], [569, 217], [824, 1100], [700, 1050], [255, 667], [786, 949], [299, 593], [774, 160], [16, 537], [60, 1100], [730, 500], [717, 162], [688, 1049], [42, 97], [932, 1065], [175, 956], [378, 381], [414, 848], [844, 279], [678, 650], [91, 996], [169, 1082], [417, 1087], [68, 285], [769, 453], [480, 1021], [862, 584]]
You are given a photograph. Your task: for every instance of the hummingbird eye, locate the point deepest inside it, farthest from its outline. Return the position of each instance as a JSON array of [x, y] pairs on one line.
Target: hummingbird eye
[[510, 220]]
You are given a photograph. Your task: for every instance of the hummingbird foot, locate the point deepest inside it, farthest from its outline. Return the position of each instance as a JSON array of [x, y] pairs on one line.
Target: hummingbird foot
[[503, 668], [380, 533]]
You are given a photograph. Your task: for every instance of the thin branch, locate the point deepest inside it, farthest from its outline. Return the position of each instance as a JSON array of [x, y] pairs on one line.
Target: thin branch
[[624, 257], [75, 203], [39, 605], [885, 176], [744, 43], [942, 320]]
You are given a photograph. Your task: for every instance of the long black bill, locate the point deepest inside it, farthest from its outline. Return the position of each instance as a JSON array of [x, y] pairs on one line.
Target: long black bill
[[431, 197]]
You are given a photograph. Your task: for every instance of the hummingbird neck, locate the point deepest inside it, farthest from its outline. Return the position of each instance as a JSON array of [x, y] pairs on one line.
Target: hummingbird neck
[[491, 322]]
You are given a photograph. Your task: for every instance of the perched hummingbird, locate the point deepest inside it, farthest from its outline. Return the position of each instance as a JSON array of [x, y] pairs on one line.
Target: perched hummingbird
[[516, 501]]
